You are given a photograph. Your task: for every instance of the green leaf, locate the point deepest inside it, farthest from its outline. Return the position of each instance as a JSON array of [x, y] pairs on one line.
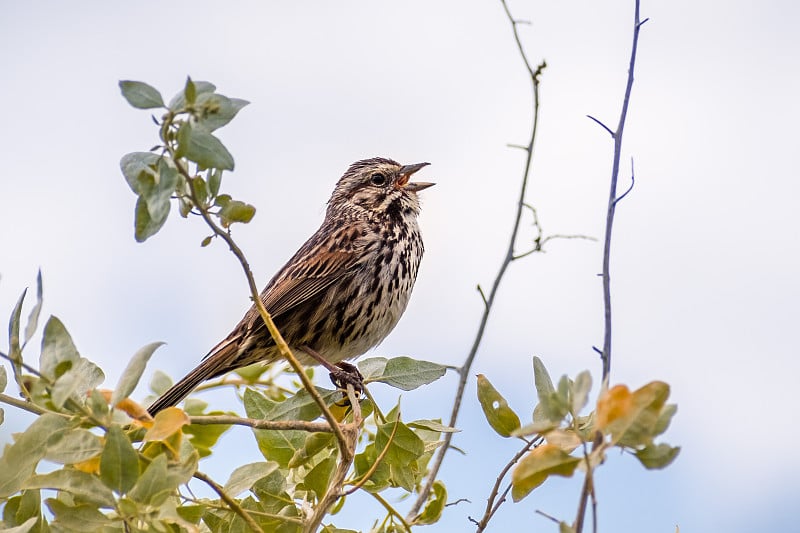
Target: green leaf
[[540, 463], [301, 406], [433, 425], [214, 181], [153, 482], [33, 316], [403, 373], [664, 419], [405, 447], [79, 517], [82, 376], [144, 225], [217, 110], [80, 484], [236, 211], [203, 437], [244, 477], [317, 478], [580, 391], [552, 405], [314, 444], [178, 101], [58, 350], [73, 446], [24, 527], [536, 428], [140, 95], [119, 463], [563, 527], [159, 480], [20, 459], [133, 372], [198, 145], [500, 416], [657, 456], [15, 349], [189, 91], [544, 385], [277, 446], [434, 507], [22, 508], [160, 382], [137, 167], [3, 378]]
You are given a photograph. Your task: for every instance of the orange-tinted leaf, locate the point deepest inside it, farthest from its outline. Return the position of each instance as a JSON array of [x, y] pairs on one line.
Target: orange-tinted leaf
[[614, 404], [632, 419], [542, 462], [166, 423]]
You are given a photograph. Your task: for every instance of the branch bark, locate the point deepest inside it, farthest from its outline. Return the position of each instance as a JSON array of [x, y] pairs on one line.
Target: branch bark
[[464, 370]]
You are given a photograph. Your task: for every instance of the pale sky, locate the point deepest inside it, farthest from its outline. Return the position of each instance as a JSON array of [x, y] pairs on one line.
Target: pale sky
[[706, 248]]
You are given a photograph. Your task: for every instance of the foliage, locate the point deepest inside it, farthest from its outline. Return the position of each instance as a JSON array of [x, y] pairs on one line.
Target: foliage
[[566, 440], [112, 467]]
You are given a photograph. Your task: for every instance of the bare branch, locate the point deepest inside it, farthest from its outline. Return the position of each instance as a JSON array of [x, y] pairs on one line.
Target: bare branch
[[275, 425], [233, 504], [612, 197], [602, 125], [507, 259], [630, 187], [492, 502]]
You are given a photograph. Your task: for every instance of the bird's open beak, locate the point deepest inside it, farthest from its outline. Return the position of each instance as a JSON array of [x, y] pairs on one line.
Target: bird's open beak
[[405, 175]]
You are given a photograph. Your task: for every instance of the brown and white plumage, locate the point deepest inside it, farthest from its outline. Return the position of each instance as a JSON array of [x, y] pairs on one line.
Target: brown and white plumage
[[344, 290]]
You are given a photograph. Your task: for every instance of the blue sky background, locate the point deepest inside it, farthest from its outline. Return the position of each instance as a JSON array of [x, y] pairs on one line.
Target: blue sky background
[[706, 249]]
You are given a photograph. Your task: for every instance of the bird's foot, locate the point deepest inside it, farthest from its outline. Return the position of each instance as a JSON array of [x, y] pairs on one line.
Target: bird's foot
[[344, 374]]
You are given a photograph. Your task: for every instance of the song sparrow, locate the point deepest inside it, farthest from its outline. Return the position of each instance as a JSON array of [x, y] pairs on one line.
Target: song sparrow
[[345, 288]]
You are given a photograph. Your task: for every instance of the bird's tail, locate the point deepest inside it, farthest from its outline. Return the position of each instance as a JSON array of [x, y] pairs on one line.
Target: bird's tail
[[215, 364]]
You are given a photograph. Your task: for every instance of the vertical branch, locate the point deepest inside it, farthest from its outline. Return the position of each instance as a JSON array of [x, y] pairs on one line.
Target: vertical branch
[[464, 369], [613, 199]]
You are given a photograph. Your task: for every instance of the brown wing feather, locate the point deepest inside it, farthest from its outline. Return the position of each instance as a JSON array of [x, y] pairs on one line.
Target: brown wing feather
[[320, 262]]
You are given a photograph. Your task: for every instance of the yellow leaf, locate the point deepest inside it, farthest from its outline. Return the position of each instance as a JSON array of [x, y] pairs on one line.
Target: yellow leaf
[[90, 466], [166, 423], [537, 466]]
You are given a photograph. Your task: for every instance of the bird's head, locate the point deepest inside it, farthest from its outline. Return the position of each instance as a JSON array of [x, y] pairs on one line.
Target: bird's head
[[380, 186]]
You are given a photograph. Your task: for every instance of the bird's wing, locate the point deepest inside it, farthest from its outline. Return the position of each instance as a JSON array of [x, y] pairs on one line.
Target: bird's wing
[[320, 262]]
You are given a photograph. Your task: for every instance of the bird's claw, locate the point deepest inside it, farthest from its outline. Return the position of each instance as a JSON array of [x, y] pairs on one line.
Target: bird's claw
[[346, 374]]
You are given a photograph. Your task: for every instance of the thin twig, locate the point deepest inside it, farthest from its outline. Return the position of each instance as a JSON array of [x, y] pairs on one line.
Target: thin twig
[[605, 355], [491, 505], [346, 457], [21, 363], [233, 504], [602, 125], [27, 406], [507, 259], [276, 425], [368, 474], [391, 510], [612, 198]]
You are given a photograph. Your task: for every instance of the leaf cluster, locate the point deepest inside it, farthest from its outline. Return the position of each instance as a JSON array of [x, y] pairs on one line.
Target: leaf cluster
[[188, 162], [568, 439], [109, 466]]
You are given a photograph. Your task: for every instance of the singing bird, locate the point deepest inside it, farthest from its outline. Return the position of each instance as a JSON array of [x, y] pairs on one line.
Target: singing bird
[[344, 290]]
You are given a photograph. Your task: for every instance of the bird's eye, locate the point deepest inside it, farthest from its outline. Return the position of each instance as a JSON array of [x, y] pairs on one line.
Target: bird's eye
[[378, 179]]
